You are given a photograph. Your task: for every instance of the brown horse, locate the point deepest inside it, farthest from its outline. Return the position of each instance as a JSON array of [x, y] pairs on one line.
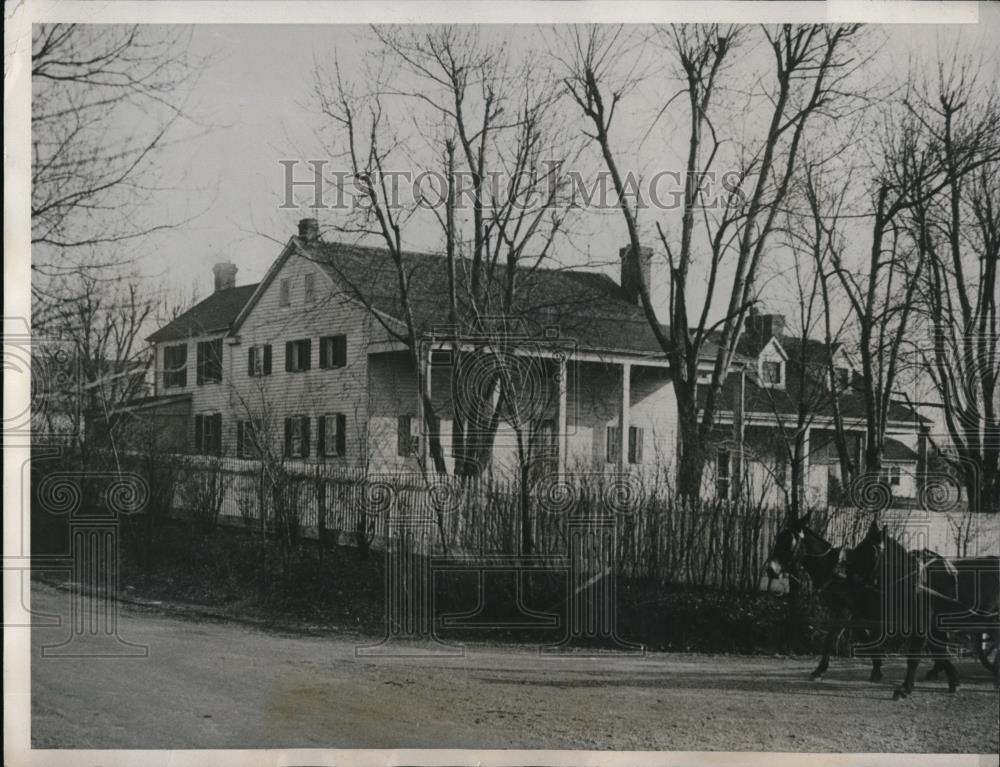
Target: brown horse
[[796, 545], [923, 596]]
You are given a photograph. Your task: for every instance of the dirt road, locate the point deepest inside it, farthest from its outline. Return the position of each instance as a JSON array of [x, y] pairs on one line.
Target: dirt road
[[215, 685]]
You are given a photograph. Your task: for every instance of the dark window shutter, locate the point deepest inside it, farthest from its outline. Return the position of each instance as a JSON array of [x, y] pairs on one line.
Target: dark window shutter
[[403, 435], [634, 444], [217, 359], [341, 434], [289, 346], [613, 448], [288, 436], [267, 360], [252, 361], [201, 364], [198, 430], [305, 436], [324, 353], [339, 351], [217, 435], [240, 439], [307, 353], [321, 436]]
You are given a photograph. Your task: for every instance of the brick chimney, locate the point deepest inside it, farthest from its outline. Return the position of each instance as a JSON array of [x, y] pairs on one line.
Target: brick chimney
[[309, 228], [225, 275], [632, 267], [765, 326]]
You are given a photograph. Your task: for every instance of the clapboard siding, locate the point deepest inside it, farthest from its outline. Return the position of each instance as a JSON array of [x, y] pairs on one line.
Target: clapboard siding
[[314, 392]]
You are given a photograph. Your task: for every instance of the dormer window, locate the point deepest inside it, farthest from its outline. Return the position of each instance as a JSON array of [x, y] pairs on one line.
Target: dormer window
[[771, 373], [843, 377]]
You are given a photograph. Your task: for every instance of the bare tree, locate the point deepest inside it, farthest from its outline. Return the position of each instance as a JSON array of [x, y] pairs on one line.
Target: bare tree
[[808, 80], [105, 101], [957, 231], [491, 137], [100, 347], [923, 153], [811, 383]]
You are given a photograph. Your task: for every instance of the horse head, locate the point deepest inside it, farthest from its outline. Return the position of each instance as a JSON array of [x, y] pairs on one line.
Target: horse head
[[788, 545]]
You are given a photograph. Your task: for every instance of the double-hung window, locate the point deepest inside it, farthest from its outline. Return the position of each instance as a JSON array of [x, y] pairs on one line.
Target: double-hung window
[[259, 360], [298, 355], [331, 435], [210, 361], [297, 436], [175, 366], [332, 351]]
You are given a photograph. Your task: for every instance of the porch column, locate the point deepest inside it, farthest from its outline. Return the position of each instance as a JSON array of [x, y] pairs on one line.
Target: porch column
[[623, 414], [424, 429], [805, 464], [739, 434], [561, 440], [922, 458]]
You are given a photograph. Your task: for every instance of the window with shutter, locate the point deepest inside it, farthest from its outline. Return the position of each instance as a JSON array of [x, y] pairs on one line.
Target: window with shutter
[[241, 448], [330, 440], [297, 436], [333, 351], [285, 293], [298, 355], [210, 361], [259, 360], [339, 351], [175, 366], [208, 434]]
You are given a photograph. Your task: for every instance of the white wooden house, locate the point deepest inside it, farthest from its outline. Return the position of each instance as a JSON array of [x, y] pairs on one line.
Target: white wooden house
[[314, 361]]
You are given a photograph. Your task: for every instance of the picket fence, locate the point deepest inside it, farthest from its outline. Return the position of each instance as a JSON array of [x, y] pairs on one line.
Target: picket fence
[[708, 543]]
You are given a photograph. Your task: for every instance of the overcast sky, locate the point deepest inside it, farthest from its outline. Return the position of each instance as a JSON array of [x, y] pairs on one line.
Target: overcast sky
[[256, 95]]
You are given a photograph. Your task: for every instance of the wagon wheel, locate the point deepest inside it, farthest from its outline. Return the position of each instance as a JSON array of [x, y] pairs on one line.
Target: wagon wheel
[[986, 649]]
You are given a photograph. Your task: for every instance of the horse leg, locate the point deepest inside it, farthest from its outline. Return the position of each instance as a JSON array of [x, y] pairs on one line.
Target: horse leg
[[877, 658], [937, 643], [996, 660], [934, 671], [876, 675], [828, 646], [914, 646]]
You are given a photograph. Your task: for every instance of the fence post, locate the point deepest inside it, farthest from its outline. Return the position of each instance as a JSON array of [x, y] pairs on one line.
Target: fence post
[[409, 585]]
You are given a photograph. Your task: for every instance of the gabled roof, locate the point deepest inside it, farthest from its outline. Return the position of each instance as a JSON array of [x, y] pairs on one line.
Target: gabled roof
[[587, 308], [819, 399], [212, 315], [894, 450]]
